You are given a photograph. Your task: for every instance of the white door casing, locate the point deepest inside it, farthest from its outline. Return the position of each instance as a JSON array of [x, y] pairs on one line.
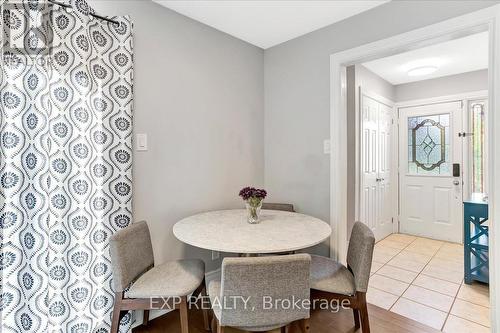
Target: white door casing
[[376, 202], [430, 197]]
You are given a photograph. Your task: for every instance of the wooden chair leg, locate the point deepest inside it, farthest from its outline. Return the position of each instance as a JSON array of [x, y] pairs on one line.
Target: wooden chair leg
[[284, 329], [115, 320], [183, 310], [355, 312], [304, 325], [145, 318], [220, 329], [365, 323], [214, 325], [206, 322]]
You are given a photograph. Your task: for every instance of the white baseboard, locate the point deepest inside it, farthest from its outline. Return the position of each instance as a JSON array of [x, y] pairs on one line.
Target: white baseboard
[[157, 313]]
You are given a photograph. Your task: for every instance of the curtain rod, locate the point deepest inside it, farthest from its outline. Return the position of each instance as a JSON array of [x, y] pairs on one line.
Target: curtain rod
[[94, 15]]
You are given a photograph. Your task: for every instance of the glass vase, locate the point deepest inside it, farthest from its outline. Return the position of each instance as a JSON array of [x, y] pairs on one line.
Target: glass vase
[[253, 212]]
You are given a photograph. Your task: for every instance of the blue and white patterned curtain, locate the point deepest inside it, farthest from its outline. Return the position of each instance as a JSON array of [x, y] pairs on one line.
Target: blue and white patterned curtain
[[65, 164]]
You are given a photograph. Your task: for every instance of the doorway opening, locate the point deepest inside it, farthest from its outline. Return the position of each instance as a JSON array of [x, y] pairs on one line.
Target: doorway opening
[[417, 136], [420, 139]]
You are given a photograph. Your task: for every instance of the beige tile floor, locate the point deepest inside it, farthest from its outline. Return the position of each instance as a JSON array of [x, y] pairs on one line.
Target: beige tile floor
[[422, 279]]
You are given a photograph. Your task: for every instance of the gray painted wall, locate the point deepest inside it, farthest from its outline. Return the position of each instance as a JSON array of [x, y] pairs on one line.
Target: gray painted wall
[[442, 86], [373, 83], [297, 96], [199, 97]]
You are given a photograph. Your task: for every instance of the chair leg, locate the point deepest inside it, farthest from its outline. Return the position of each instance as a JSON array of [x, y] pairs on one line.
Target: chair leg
[[115, 320], [365, 323], [183, 310], [304, 325], [284, 329], [203, 310], [216, 328], [220, 329], [145, 318], [214, 325], [355, 312]]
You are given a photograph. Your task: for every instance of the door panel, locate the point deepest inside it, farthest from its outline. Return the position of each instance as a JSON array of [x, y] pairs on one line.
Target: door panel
[[376, 204], [386, 203], [431, 198], [442, 208], [412, 210]]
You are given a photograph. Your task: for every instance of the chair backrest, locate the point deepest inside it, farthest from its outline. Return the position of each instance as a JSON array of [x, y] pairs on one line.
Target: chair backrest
[[262, 281], [359, 255], [278, 206], [131, 254]]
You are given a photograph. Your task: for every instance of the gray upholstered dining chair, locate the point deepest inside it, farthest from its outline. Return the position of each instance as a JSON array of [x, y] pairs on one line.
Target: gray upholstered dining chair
[[332, 280], [285, 207], [151, 286], [255, 280], [278, 206]]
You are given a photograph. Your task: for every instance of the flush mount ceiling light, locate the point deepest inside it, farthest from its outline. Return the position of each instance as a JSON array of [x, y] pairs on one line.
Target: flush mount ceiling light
[[423, 66], [422, 70]]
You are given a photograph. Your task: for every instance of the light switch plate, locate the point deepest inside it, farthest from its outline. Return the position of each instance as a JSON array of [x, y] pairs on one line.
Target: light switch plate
[[215, 255], [326, 146], [142, 142]]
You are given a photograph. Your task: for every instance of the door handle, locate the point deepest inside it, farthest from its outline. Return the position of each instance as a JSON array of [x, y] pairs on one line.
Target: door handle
[[456, 182], [379, 179]]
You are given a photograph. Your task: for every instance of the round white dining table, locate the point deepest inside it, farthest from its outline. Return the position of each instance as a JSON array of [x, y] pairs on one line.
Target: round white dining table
[[229, 231]]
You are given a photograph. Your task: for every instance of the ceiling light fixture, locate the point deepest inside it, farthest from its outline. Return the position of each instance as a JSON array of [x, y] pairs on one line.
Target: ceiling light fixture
[[423, 70]]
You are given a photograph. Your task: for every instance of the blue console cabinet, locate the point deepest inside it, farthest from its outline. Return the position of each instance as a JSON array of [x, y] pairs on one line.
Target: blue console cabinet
[[476, 241]]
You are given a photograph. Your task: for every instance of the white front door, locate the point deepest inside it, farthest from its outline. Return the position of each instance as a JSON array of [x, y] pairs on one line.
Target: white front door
[[430, 193], [376, 202]]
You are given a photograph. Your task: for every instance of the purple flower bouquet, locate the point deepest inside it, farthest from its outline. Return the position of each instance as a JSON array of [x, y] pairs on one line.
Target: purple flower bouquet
[[253, 198]]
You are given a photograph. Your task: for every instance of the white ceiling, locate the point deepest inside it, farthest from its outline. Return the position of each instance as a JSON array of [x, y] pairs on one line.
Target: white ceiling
[[453, 57], [268, 23]]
